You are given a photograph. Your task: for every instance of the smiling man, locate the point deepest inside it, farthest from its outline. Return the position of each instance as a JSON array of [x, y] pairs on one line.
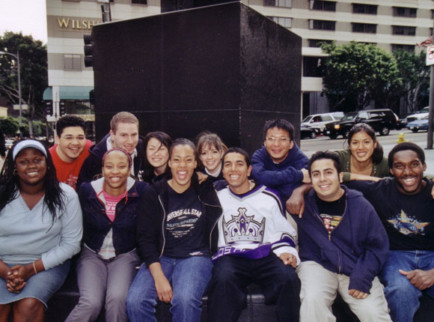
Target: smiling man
[[71, 149], [256, 245], [342, 247], [124, 134], [406, 208], [280, 164]]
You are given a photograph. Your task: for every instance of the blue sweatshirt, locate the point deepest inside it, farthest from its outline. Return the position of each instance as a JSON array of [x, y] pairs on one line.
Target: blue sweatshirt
[[284, 176], [357, 247]]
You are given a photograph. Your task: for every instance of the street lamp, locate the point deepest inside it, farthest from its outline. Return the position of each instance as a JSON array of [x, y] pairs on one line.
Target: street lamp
[[17, 57]]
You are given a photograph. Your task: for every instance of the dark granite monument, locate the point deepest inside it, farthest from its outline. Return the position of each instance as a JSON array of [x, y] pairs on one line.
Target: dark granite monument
[[223, 68]]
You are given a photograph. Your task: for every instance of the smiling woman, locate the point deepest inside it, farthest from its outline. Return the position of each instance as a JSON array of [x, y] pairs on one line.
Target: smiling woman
[[363, 160], [40, 230], [107, 263], [175, 232]]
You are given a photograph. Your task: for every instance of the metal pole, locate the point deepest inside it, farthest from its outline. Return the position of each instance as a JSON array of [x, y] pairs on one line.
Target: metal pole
[[17, 57], [431, 107], [19, 90]]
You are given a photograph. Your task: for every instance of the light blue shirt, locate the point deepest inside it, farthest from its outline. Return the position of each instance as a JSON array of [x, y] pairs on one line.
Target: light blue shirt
[[27, 235]]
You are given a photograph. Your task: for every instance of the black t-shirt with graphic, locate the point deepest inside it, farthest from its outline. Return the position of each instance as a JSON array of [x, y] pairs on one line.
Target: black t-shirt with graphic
[[408, 219], [331, 212], [185, 225]]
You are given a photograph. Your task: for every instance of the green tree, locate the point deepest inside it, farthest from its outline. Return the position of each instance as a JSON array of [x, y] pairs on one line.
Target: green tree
[[9, 126], [33, 67], [356, 73], [415, 77]]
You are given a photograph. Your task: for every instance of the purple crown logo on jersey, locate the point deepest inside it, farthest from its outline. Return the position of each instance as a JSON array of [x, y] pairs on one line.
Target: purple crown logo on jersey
[[243, 228]]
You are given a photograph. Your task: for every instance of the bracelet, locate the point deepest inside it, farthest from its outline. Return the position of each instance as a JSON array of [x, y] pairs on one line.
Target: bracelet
[[34, 267]]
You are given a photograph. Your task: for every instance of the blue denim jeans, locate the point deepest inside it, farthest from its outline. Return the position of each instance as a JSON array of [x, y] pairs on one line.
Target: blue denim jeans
[[189, 278], [401, 295]]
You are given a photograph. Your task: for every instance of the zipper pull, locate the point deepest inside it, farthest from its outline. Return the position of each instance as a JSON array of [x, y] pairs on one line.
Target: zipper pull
[[330, 235]]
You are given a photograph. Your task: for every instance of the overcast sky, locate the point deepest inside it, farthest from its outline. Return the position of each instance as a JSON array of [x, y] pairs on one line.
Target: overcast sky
[[27, 16]]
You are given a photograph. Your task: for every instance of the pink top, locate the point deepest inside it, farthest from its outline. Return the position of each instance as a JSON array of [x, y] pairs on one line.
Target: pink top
[[110, 204]]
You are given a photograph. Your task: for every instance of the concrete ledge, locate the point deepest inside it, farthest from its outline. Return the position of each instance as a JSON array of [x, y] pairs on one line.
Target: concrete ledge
[[62, 303]]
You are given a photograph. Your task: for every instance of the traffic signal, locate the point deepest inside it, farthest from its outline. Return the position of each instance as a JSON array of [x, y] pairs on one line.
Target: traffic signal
[[48, 108], [62, 108], [88, 50]]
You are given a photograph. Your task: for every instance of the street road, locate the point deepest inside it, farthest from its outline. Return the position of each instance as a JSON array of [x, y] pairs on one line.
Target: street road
[[325, 143], [309, 146]]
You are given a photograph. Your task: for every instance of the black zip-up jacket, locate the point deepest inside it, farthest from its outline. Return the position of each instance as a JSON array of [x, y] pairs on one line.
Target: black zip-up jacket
[[96, 224], [151, 234]]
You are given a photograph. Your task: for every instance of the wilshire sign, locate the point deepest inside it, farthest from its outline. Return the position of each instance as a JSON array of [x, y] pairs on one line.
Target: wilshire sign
[[76, 23]]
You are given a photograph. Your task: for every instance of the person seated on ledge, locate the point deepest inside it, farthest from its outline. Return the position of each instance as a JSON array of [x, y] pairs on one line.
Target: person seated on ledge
[[342, 246], [40, 230], [108, 261], [256, 245], [124, 134], [176, 235], [157, 145], [364, 159], [280, 164], [405, 205], [406, 208], [71, 148], [209, 150]]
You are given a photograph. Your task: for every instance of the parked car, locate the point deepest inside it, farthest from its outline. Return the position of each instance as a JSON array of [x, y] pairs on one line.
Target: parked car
[[418, 125], [415, 116], [418, 115], [319, 121], [381, 120], [307, 132]]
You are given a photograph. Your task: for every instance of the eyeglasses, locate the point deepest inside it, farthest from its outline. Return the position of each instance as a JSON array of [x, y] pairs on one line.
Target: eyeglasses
[[281, 139]]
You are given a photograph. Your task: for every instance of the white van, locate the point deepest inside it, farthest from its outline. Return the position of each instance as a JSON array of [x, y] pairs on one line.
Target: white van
[[319, 121], [418, 115]]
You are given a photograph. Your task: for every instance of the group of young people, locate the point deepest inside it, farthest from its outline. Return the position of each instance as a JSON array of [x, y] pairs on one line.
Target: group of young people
[[200, 218]]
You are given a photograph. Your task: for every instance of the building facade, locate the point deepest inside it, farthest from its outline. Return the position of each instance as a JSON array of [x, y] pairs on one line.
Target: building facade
[[70, 81], [390, 24]]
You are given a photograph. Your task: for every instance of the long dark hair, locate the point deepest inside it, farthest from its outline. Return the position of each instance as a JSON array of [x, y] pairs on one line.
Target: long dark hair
[[10, 184], [377, 154]]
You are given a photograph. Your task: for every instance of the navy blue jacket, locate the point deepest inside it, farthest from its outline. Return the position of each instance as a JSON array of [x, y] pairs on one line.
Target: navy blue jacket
[[284, 176], [151, 229], [96, 224], [357, 247]]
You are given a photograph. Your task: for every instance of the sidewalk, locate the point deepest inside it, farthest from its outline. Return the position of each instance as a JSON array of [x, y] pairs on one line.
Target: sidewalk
[[429, 154]]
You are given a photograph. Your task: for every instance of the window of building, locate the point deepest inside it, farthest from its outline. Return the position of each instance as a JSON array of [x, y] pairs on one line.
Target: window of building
[[283, 21], [139, 1], [72, 62], [278, 3], [318, 42], [312, 66], [365, 27], [399, 47], [323, 5], [404, 30], [322, 25], [404, 12], [432, 14], [368, 9]]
